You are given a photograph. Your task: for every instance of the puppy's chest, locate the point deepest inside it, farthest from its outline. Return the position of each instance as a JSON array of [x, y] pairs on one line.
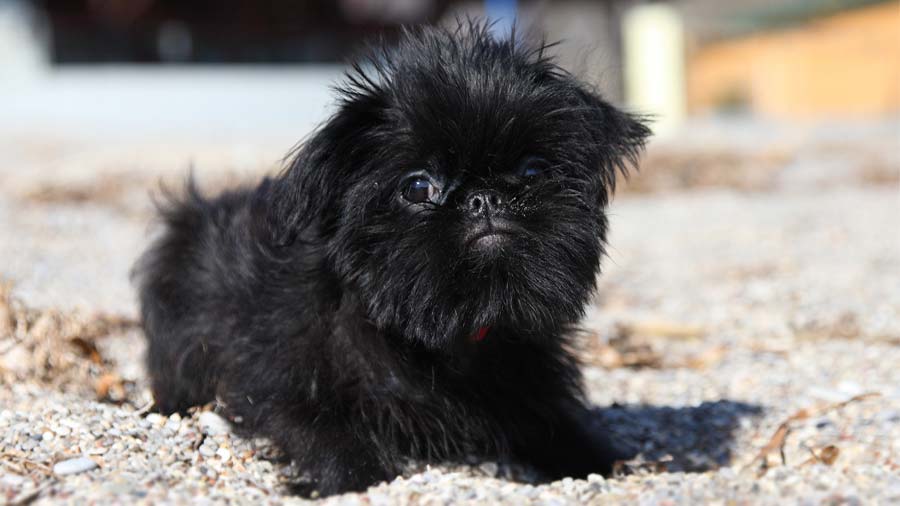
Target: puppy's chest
[[437, 405], [472, 384]]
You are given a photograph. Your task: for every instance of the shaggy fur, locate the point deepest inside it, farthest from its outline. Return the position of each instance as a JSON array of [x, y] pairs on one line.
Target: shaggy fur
[[334, 311]]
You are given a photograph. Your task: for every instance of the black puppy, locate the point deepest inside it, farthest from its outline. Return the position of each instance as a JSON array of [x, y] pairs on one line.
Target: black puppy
[[407, 287]]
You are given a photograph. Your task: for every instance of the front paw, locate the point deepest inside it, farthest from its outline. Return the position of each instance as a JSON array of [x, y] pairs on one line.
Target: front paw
[[337, 479], [304, 487], [573, 452]]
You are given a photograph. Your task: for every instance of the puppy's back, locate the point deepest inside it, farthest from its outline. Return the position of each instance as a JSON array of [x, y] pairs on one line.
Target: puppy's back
[[183, 282]]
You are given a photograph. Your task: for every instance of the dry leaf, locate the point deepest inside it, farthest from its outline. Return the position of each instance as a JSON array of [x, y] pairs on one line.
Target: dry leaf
[[777, 441], [59, 349], [662, 329], [706, 359], [110, 386], [622, 354], [7, 323], [827, 455]]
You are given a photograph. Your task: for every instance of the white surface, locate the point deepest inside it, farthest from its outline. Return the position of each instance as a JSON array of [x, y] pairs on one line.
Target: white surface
[[140, 102], [653, 46]]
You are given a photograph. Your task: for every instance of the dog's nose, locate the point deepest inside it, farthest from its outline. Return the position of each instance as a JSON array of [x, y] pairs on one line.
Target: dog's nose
[[483, 202]]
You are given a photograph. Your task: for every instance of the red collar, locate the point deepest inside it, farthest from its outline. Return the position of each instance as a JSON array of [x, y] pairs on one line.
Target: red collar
[[480, 334]]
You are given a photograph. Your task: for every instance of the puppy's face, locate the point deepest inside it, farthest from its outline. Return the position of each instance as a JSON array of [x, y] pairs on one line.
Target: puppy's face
[[462, 185]]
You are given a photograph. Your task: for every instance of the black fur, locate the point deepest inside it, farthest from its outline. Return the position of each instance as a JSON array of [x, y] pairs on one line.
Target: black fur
[[329, 314]]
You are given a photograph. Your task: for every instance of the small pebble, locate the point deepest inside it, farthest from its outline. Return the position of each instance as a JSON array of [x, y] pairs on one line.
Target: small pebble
[[489, 468], [212, 424], [224, 454], [74, 466]]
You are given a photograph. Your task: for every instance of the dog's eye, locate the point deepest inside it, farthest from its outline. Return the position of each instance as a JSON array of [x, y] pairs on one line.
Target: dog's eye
[[532, 167], [419, 189]]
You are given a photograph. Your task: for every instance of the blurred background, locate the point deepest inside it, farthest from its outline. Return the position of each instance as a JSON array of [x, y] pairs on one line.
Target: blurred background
[[753, 263], [79, 61]]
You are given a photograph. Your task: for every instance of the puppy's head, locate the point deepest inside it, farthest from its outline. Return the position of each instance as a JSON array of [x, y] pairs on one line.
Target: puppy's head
[[461, 185]]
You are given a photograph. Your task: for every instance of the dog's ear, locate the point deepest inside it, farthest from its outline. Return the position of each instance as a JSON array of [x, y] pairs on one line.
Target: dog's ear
[[306, 195], [618, 137]]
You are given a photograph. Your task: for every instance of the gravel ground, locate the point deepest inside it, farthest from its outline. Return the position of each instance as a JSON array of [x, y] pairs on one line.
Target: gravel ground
[[742, 348]]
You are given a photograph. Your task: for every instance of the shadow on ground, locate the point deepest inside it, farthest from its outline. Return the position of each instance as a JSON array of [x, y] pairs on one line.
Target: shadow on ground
[[689, 439]]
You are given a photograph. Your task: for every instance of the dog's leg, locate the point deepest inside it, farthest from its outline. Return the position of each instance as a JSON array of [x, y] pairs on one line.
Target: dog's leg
[[572, 448], [331, 458], [338, 468]]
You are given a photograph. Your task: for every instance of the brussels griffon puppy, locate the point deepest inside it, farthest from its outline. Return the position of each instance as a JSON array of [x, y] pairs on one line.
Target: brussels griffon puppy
[[407, 288]]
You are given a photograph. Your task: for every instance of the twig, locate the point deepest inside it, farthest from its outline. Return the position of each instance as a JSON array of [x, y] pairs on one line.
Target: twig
[[144, 409], [664, 329], [27, 498], [24, 463], [12, 467], [779, 438]]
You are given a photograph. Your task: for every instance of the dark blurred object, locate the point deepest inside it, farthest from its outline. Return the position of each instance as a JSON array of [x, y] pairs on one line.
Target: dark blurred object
[[224, 31]]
